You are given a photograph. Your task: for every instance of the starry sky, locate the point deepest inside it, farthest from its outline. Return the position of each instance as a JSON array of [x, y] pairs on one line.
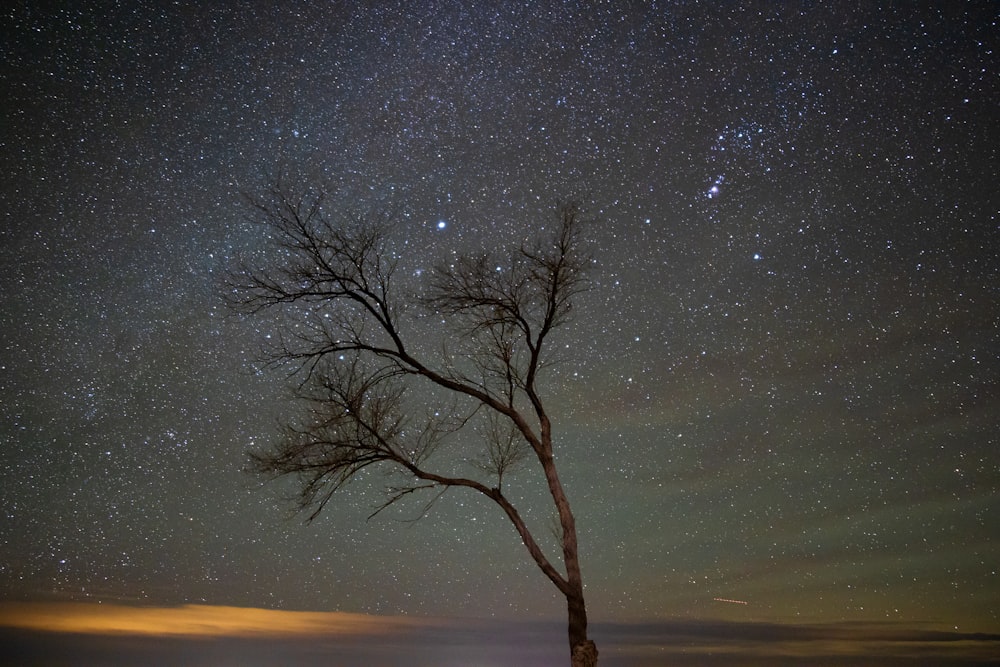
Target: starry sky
[[782, 388]]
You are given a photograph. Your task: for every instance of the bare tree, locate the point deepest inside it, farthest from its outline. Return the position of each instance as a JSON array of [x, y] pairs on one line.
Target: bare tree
[[348, 329]]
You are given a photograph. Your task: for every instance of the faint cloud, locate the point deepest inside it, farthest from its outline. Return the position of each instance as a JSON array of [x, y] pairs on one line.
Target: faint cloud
[[197, 620]]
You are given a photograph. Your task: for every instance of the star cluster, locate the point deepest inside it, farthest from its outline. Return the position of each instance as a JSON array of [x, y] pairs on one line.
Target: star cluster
[[781, 389]]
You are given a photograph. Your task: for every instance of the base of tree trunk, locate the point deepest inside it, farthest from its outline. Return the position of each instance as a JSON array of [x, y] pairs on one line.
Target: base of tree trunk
[[585, 654]]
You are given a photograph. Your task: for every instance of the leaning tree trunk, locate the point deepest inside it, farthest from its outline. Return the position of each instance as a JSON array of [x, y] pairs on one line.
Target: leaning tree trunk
[[582, 650]]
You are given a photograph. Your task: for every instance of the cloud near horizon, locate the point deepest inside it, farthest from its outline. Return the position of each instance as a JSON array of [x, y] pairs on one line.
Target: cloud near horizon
[[197, 620]]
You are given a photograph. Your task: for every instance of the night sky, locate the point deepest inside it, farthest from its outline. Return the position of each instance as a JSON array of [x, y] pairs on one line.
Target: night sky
[[783, 388]]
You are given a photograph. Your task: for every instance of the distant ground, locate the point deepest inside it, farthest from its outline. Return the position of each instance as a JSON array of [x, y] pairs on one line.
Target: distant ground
[[482, 644]]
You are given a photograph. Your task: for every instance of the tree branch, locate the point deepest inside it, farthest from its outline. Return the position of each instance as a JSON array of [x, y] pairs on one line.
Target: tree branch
[[334, 279]]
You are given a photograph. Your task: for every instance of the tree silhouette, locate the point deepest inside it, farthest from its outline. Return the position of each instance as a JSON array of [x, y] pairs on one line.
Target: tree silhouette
[[350, 331]]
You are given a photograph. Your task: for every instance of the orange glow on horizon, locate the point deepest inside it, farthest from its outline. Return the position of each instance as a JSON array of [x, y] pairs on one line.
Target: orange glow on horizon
[[196, 620]]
